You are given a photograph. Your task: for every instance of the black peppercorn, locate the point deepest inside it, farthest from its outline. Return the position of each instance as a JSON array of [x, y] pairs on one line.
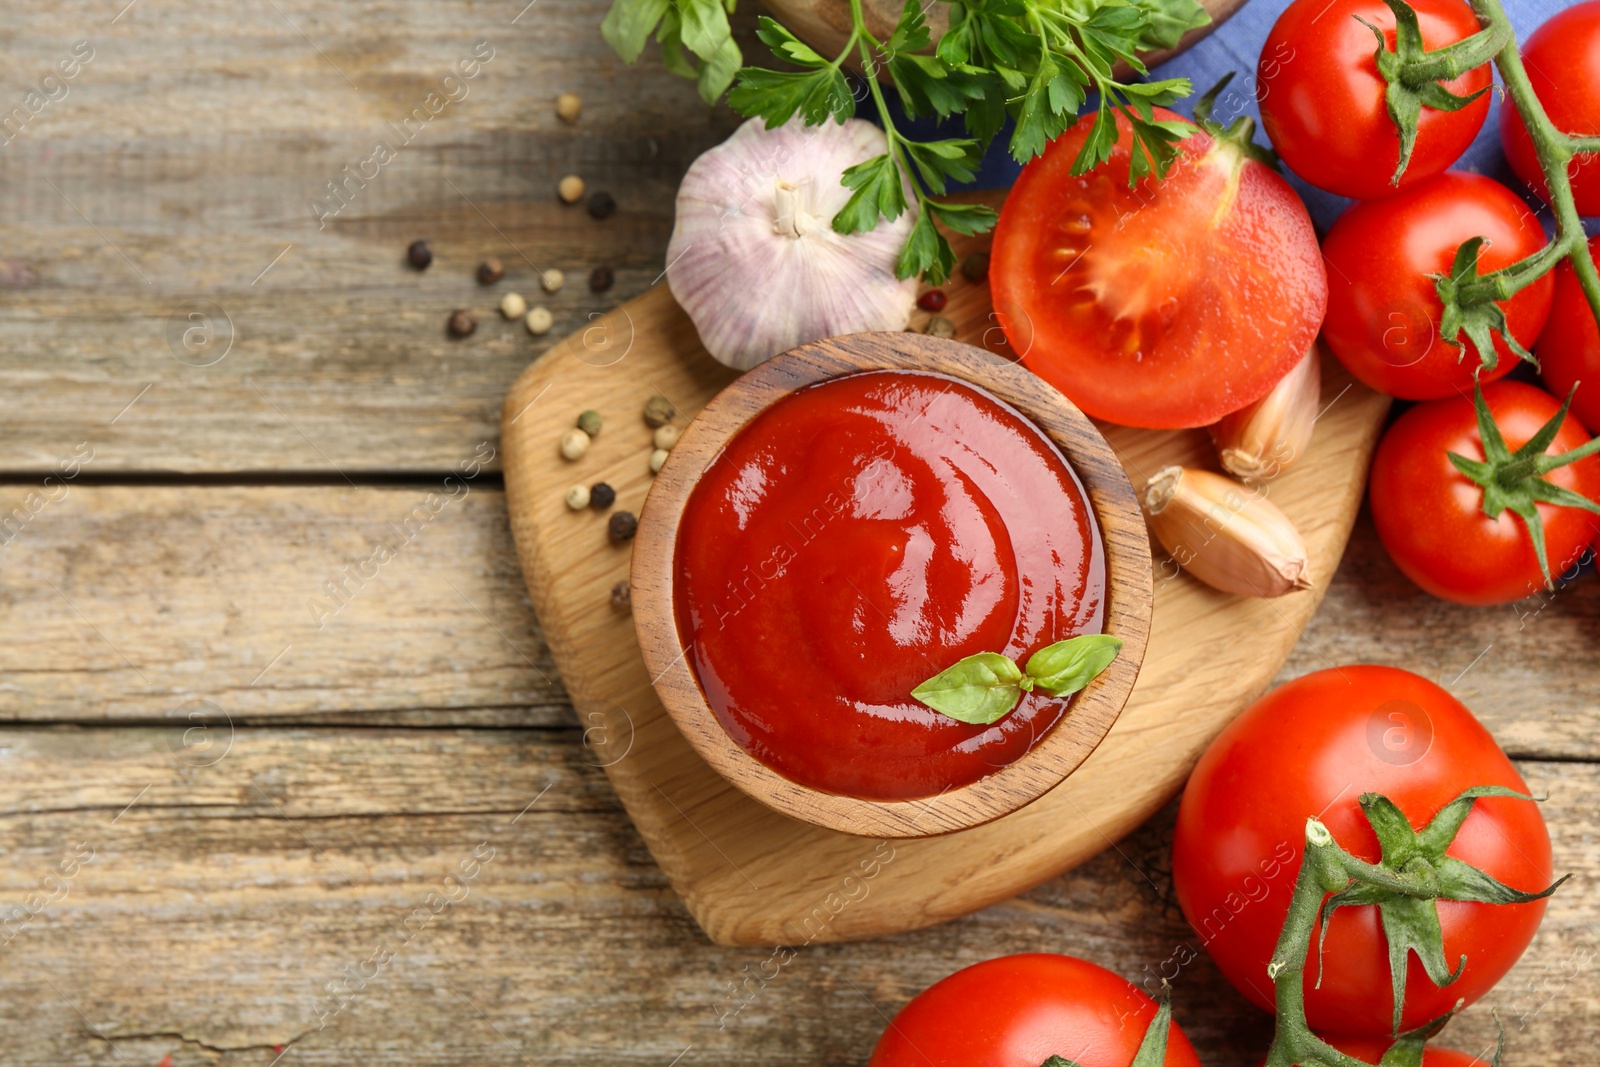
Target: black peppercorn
[[461, 324], [602, 205], [490, 271], [419, 254], [601, 496], [622, 526], [601, 279], [975, 268]]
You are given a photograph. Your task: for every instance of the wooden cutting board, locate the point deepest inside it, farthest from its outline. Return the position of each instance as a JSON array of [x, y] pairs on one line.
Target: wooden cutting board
[[752, 876]]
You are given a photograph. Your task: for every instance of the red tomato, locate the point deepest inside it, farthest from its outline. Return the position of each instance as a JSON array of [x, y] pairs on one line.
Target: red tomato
[[1569, 347], [1018, 1011], [1562, 58], [1383, 312], [1372, 1049], [1430, 516], [1310, 748], [1169, 304], [1322, 99]]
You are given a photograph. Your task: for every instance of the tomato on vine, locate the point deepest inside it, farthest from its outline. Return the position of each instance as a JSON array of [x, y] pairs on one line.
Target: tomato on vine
[[1322, 748], [1569, 348], [1485, 505], [1032, 1009], [1384, 312], [1324, 103], [1562, 59]]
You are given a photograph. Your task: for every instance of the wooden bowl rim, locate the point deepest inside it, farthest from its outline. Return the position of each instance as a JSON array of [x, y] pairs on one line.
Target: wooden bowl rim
[[1129, 591]]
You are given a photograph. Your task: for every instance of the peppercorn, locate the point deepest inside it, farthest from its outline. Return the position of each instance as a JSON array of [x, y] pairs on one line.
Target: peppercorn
[[622, 526], [601, 279], [552, 280], [932, 300], [666, 436], [570, 189], [601, 496], [419, 254], [574, 443], [602, 205], [539, 321], [939, 326], [490, 271], [622, 596], [658, 411], [512, 306], [975, 268], [569, 106], [461, 324], [658, 459], [589, 422], [578, 497]]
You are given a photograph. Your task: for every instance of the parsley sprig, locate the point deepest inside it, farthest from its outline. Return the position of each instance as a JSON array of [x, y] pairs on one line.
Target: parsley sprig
[[1039, 61]]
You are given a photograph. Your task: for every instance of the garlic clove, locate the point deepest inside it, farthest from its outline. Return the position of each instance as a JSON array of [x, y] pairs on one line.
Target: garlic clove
[[1227, 535], [754, 259], [1261, 441]]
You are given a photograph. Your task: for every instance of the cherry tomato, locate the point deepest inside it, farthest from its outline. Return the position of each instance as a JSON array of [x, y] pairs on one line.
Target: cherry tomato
[[1311, 747], [1562, 59], [1371, 1049], [1430, 516], [1166, 305], [1569, 347], [1018, 1011], [1383, 311], [1322, 99]]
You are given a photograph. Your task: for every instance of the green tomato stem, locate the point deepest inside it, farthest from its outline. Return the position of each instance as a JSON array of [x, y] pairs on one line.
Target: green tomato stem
[[1555, 149], [1452, 61]]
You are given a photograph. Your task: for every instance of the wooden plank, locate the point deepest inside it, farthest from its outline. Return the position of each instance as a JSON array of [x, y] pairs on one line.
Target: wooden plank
[[176, 175], [202, 586], [141, 603], [219, 904]]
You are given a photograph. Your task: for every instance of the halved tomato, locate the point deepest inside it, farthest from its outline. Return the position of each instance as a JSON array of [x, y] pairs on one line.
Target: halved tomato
[[1168, 304]]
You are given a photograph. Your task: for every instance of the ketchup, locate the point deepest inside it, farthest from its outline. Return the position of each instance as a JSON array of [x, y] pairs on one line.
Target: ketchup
[[856, 538]]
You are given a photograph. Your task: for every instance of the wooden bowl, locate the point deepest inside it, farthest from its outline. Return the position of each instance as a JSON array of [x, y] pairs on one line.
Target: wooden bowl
[[1128, 583]]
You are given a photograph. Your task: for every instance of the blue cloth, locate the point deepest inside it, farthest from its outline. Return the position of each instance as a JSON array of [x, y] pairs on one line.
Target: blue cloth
[[1236, 46]]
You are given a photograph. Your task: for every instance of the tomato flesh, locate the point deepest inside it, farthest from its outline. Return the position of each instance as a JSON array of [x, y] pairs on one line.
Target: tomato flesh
[[1311, 747], [1018, 1011], [1322, 99], [1569, 347], [1165, 305]]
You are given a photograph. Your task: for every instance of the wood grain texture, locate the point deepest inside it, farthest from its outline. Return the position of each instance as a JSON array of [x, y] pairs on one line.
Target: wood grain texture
[[1210, 653], [220, 904], [1120, 530], [176, 176]]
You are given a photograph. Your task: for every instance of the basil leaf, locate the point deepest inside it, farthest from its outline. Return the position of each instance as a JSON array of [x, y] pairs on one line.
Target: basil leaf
[[1067, 666], [979, 689]]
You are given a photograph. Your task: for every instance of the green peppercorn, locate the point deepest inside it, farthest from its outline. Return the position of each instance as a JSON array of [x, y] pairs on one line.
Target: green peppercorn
[[975, 268], [589, 422]]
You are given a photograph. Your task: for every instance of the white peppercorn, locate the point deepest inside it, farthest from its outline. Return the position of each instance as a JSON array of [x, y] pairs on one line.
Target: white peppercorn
[[569, 106], [570, 189], [552, 280], [512, 306], [540, 320], [578, 497], [658, 459], [574, 443], [666, 436]]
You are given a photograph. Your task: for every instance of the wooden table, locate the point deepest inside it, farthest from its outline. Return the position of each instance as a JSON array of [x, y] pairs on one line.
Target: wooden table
[[268, 768]]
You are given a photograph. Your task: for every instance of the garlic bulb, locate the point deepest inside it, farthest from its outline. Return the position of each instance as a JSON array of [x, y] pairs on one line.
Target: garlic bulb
[[1230, 537], [754, 259], [1259, 442]]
